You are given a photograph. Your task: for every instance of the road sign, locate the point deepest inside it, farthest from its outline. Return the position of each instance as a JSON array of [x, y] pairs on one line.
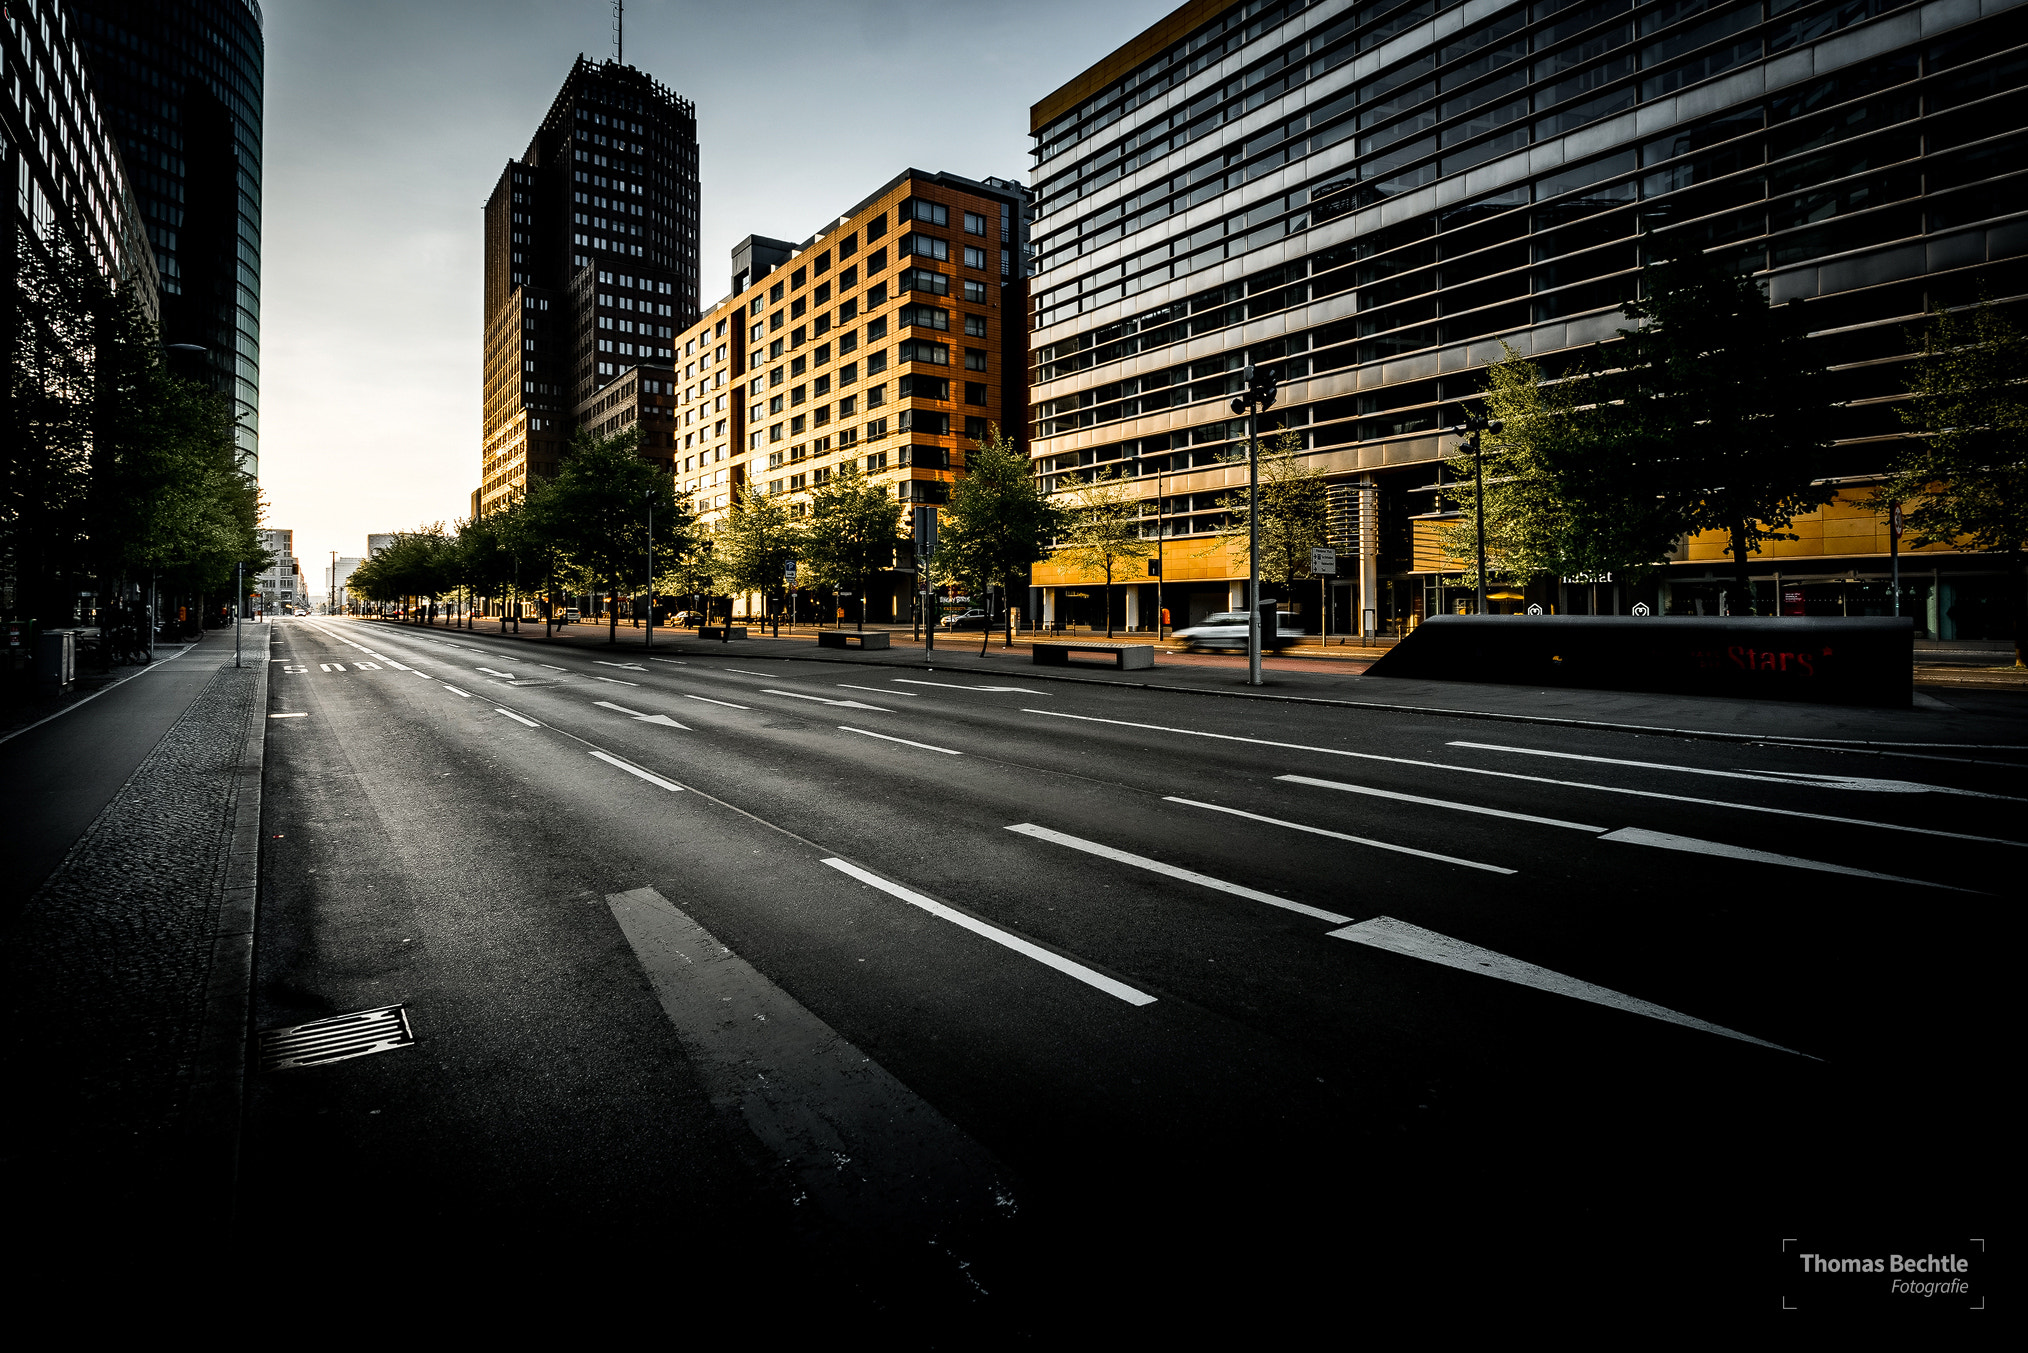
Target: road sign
[[1535, 608], [1641, 608], [789, 572], [1323, 562]]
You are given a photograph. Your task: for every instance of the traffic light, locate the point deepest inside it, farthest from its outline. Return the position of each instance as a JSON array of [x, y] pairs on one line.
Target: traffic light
[[1264, 389]]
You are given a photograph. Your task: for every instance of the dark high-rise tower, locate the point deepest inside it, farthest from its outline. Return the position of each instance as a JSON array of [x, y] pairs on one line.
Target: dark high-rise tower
[[591, 262], [182, 81]]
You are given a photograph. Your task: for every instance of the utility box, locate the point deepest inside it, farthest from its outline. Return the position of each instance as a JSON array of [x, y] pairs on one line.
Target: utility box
[[55, 661]]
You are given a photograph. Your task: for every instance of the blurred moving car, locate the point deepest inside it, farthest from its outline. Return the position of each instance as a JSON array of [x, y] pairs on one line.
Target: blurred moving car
[[687, 618], [966, 620], [1227, 629]]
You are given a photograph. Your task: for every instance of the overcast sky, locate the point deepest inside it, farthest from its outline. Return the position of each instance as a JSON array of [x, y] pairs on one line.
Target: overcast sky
[[388, 123]]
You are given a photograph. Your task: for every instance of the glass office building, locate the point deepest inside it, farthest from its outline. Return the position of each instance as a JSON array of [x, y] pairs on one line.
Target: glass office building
[[182, 82], [1373, 198]]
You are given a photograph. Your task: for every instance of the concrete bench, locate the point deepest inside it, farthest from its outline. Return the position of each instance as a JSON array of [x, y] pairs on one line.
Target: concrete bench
[[719, 632], [852, 638], [1126, 657]]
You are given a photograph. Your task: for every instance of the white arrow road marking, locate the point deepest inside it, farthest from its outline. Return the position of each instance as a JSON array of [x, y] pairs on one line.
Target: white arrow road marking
[[630, 666], [1640, 836], [1778, 777], [882, 690], [662, 719], [997, 935], [1436, 803], [615, 680], [636, 771], [904, 741], [517, 718], [954, 686], [551, 666], [455, 691], [842, 704], [709, 701], [1170, 870], [489, 671], [1399, 937], [1535, 779], [1341, 836]]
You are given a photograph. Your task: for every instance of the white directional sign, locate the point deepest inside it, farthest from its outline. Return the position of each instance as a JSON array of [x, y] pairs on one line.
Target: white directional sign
[[1323, 562]]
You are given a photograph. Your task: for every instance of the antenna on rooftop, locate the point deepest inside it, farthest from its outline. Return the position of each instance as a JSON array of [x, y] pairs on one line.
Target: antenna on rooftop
[[620, 32]]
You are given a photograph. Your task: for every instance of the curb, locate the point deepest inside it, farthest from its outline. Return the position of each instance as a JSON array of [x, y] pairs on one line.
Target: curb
[[213, 1120], [1838, 744]]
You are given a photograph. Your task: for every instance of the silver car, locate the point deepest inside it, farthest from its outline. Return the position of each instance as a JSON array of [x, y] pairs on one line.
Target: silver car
[[1227, 629]]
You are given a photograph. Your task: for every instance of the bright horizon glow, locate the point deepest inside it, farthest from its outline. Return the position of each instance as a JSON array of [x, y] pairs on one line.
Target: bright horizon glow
[[387, 126]]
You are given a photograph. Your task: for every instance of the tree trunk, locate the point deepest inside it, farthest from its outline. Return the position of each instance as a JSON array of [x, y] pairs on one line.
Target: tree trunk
[[1739, 578], [1109, 599]]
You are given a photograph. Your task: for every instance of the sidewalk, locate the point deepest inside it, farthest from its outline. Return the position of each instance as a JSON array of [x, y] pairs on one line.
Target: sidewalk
[[1986, 717], [125, 947]]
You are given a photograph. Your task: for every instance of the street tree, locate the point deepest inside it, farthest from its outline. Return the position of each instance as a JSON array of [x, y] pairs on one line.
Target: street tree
[[597, 506], [998, 522], [1102, 532], [853, 531], [1719, 401], [1295, 512], [753, 544], [1964, 469]]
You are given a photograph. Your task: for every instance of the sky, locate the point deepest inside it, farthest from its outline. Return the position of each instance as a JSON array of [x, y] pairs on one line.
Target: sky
[[387, 124]]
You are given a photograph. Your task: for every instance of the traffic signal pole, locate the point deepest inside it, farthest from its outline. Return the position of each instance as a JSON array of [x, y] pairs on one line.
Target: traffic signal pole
[[1260, 394]]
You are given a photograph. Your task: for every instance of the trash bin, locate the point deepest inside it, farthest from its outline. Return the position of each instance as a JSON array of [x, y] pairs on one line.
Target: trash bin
[[55, 661]]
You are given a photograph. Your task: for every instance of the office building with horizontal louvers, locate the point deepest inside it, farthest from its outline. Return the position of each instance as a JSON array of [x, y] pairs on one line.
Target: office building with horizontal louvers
[[1371, 199], [892, 340], [590, 267]]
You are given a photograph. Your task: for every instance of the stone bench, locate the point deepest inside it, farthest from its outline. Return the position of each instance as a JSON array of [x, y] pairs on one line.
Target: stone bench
[[1126, 657], [852, 638]]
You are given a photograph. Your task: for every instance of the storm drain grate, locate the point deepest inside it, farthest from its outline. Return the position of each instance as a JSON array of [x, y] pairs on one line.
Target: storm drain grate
[[336, 1038]]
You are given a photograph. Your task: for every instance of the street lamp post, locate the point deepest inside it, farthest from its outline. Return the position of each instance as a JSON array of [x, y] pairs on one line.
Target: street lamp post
[[1260, 394], [238, 608], [650, 642], [1474, 424]]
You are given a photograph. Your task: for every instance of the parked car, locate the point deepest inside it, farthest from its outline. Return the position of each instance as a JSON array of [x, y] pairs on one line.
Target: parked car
[[570, 616], [1227, 629], [687, 618], [966, 620]]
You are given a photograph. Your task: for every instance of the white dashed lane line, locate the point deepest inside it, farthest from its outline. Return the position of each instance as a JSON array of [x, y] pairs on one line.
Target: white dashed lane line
[[904, 741], [517, 718]]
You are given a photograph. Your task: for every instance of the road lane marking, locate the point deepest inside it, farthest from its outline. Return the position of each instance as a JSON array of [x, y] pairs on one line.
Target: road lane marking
[[709, 701], [1799, 778], [1172, 871], [662, 719], [634, 770], [674, 662], [629, 666], [954, 686], [822, 700], [517, 718], [288, 716], [1340, 836], [881, 690], [1641, 836], [904, 741], [455, 691], [397, 666], [492, 671], [1537, 779], [1020, 946], [615, 680], [552, 666], [742, 671], [1437, 803], [366, 667], [1411, 941], [330, 666]]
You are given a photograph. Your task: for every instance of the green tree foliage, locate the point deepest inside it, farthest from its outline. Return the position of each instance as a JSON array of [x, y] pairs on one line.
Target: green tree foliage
[[853, 531], [1962, 478], [753, 543], [117, 471], [1719, 401], [1102, 532], [421, 565], [998, 522], [595, 510], [1295, 511]]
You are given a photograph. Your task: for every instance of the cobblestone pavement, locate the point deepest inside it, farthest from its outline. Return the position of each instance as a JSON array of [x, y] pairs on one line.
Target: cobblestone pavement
[[106, 972]]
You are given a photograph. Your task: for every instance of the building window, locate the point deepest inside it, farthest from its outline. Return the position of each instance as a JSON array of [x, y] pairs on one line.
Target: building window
[[922, 279], [775, 293], [848, 373], [926, 421], [849, 343], [923, 387], [876, 228], [798, 336], [821, 386], [754, 307], [876, 395], [797, 307], [776, 320], [775, 433], [822, 295], [878, 460], [975, 428], [848, 310], [876, 362], [757, 334], [876, 429], [848, 406], [797, 425], [918, 245], [823, 353], [823, 415], [922, 209], [975, 292], [975, 392], [776, 348], [975, 224], [775, 405], [975, 359], [923, 350], [846, 248], [975, 326], [975, 258]]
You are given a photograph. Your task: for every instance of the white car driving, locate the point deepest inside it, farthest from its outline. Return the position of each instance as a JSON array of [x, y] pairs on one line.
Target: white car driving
[[1227, 629]]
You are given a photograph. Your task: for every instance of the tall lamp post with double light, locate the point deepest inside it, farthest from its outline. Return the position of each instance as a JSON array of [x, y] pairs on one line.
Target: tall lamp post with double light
[[1259, 394], [649, 642], [1472, 427]]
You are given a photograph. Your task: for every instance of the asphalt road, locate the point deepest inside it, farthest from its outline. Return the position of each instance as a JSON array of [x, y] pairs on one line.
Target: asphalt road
[[1002, 999]]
